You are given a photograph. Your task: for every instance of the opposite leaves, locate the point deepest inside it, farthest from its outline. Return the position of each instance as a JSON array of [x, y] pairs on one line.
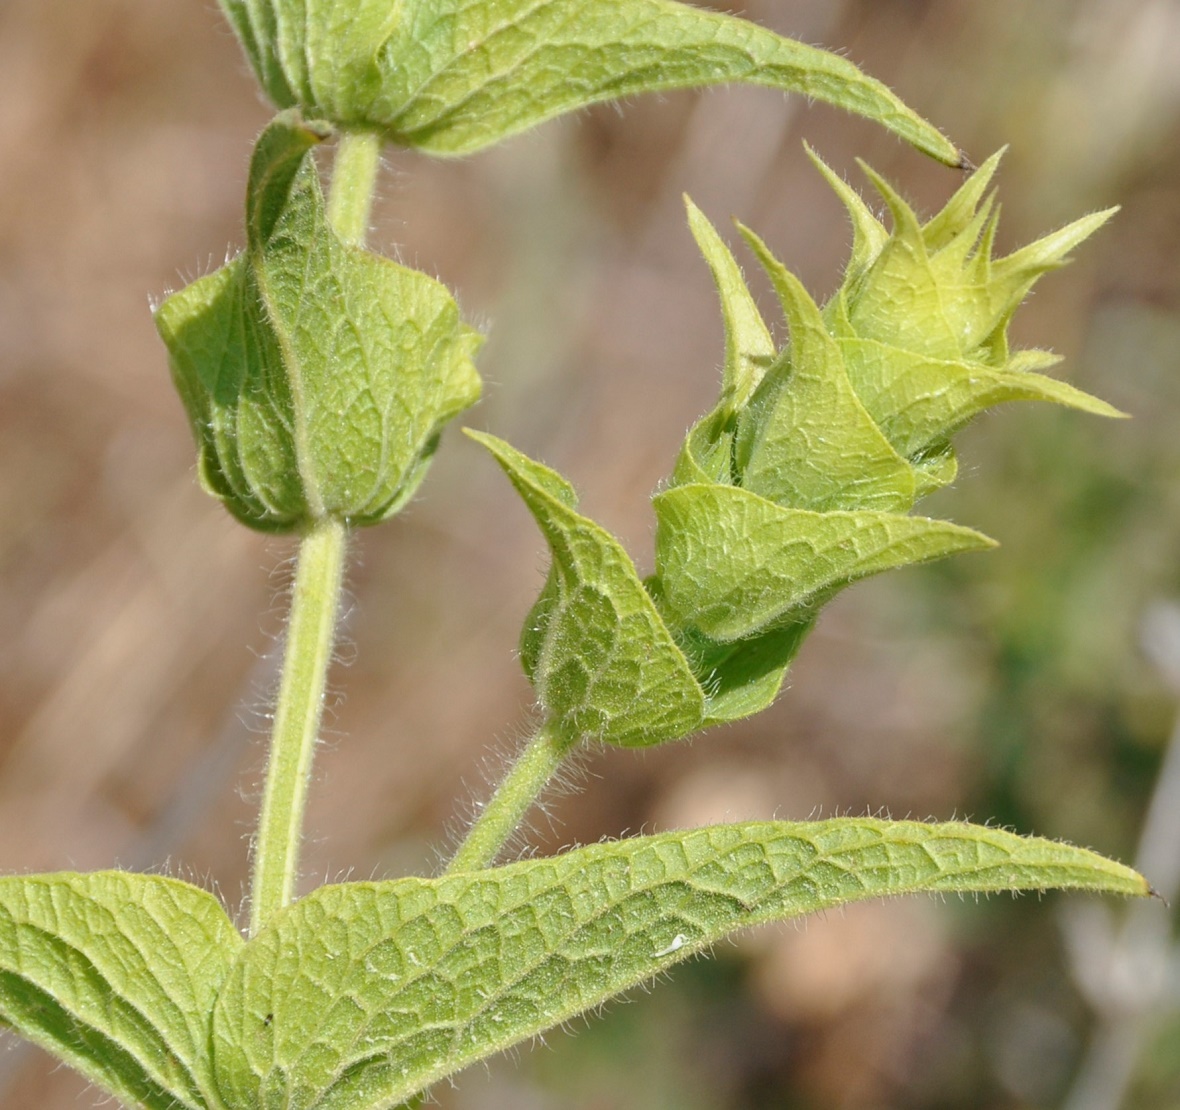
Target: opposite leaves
[[116, 974], [454, 76], [317, 376], [363, 994]]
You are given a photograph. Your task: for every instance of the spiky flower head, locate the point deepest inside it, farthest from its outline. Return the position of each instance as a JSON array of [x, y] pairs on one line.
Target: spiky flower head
[[802, 479]]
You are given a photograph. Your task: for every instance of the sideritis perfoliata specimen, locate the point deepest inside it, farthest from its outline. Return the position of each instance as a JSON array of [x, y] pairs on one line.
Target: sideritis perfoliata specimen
[[318, 378]]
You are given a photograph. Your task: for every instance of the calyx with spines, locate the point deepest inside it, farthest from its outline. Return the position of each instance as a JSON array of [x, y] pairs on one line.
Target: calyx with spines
[[801, 480]]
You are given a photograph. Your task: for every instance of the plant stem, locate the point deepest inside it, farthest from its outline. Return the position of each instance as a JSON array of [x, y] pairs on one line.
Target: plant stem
[[513, 797], [310, 633], [358, 157], [315, 599]]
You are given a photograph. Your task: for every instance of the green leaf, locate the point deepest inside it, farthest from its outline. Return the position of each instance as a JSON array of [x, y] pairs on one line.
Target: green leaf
[[594, 646], [732, 564], [363, 994], [454, 76], [918, 402], [317, 376], [116, 974]]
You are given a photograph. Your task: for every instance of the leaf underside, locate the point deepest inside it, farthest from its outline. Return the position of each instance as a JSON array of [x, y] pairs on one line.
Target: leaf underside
[[116, 974], [454, 76], [363, 994]]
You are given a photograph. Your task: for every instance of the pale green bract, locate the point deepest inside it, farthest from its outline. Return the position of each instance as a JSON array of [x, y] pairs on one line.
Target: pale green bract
[[362, 994], [594, 646], [116, 974], [454, 76], [800, 481], [317, 376]]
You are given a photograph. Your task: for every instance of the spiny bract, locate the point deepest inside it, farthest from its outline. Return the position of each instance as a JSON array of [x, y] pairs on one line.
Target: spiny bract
[[801, 479]]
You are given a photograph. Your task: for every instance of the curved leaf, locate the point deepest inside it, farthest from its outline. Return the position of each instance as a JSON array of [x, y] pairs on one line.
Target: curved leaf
[[919, 402], [805, 439], [116, 974], [454, 76], [749, 352], [743, 677], [731, 563], [361, 995]]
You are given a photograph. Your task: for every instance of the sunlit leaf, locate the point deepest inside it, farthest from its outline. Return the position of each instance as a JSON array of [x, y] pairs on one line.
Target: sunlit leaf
[[363, 994], [732, 564], [116, 974], [594, 646], [454, 76]]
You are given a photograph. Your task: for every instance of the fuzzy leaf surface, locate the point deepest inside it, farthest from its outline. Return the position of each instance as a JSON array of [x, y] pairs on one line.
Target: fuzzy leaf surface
[[743, 677], [455, 76], [317, 376], [594, 646], [363, 994], [919, 402], [805, 439], [731, 563], [116, 974]]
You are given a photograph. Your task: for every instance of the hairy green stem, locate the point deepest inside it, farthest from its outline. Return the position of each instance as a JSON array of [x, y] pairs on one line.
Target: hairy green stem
[[358, 157], [310, 634], [315, 600], [513, 798]]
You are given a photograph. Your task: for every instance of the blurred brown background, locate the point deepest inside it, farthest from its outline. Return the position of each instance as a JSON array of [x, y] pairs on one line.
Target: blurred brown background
[[138, 622]]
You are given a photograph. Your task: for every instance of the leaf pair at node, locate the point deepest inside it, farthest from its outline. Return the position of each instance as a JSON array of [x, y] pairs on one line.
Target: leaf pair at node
[[361, 995], [800, 481]]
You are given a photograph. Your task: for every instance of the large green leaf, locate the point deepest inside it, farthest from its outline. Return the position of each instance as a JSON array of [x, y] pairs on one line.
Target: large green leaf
[[317, 376], [453, 76], [361, 995], [116, 974], [595, 648]]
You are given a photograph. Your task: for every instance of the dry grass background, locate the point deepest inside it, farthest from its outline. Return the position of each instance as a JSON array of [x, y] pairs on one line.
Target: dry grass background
[[138, 622]]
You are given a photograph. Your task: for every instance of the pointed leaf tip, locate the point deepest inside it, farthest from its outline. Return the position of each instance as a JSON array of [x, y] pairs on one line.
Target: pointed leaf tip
[[749, 347], [454, 77], [411, 980], [603, 663]]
